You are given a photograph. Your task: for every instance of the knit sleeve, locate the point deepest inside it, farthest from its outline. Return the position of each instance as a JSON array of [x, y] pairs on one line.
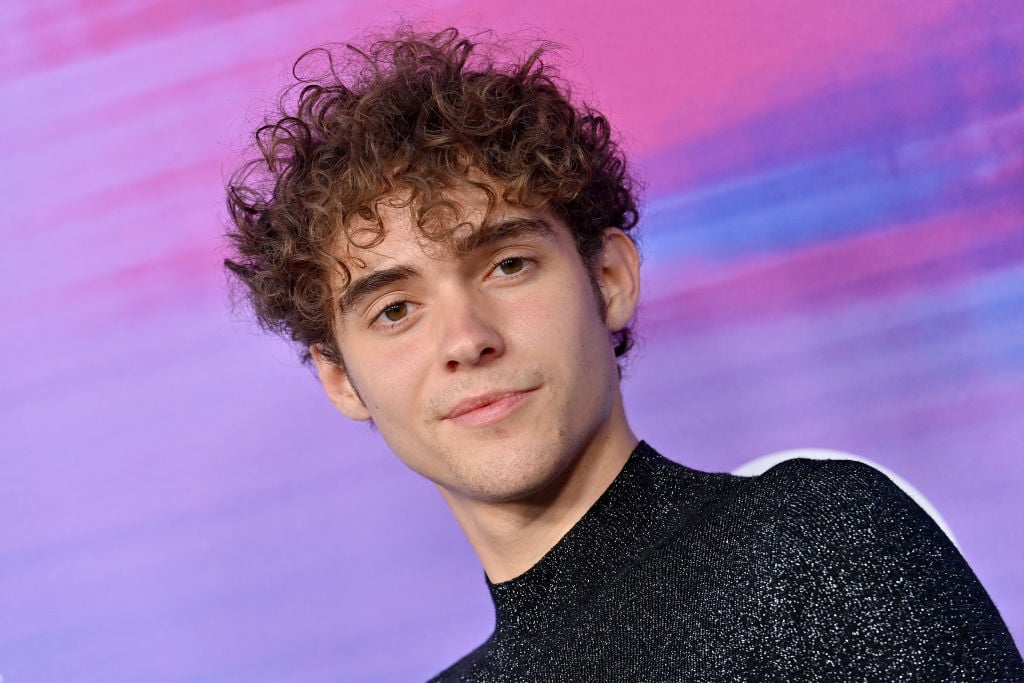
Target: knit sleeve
[[865, 586]]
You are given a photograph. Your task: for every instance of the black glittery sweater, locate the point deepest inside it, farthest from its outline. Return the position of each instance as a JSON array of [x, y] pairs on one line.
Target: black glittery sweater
[[813, 571]]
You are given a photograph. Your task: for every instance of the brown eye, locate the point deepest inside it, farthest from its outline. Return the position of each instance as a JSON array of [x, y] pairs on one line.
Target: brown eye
[[511, 266], [396, 311]]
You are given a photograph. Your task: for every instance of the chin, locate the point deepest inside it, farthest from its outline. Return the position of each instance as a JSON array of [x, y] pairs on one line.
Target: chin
[[504, 474]]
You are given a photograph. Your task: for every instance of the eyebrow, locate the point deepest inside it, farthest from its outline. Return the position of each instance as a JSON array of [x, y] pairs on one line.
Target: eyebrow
[[368, 284], [501, 230], [488, 235]]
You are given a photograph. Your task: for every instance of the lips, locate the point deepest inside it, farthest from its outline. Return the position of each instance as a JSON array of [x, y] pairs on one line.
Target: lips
[[487, 408]]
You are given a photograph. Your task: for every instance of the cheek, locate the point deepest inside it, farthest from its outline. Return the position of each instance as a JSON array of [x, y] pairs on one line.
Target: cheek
[[388, 377], [564, 322]]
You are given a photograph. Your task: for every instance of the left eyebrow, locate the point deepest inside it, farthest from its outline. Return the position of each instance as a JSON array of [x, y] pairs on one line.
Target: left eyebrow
[[490, 234]]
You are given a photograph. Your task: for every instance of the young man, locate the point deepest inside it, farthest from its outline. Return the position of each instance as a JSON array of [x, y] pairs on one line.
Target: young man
[[447, 237]]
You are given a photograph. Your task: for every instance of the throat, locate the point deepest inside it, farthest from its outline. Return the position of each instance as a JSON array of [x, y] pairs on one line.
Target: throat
[[510, 537]]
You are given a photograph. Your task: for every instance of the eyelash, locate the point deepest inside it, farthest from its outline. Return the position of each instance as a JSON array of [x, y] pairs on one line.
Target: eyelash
[[379, 322], [527, 264]]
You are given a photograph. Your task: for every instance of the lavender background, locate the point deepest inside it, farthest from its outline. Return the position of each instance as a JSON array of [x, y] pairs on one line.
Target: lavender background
[[834, 250]]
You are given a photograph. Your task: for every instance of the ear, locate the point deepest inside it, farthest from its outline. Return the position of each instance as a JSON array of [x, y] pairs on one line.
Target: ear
[[338, 386], [619, 278]]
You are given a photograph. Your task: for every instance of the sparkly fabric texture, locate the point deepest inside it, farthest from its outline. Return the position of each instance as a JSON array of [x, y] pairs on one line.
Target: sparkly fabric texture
[[814, 570]]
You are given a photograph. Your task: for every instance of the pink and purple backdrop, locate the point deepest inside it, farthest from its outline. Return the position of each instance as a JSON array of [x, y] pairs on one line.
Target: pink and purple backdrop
[[834, 247]]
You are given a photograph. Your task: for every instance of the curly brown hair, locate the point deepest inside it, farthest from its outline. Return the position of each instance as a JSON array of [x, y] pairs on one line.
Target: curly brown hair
[[420, 114]]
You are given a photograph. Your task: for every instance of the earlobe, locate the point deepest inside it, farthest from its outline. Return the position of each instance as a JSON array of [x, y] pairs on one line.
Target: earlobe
[[620, 278], [338, 386]]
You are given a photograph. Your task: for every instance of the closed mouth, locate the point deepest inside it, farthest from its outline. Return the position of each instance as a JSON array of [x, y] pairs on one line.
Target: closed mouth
[[487, 408]]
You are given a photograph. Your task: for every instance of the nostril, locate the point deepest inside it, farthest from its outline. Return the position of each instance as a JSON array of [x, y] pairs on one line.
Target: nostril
[[485, 354]]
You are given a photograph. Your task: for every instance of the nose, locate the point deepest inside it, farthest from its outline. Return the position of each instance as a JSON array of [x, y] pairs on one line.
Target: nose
[[470, 334]]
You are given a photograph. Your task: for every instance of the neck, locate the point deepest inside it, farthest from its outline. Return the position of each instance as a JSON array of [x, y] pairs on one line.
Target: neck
[[509, 537]]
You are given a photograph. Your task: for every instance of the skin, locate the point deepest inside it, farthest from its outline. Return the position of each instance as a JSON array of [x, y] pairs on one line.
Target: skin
[[512, 322]]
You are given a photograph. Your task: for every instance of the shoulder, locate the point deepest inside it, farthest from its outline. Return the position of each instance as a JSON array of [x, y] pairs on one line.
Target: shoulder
[[470, 667], [812, 475], [860, 578], [830, 509], [803, 487]]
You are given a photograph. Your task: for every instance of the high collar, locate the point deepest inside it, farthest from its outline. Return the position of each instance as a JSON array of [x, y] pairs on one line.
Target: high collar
[[641, 506]]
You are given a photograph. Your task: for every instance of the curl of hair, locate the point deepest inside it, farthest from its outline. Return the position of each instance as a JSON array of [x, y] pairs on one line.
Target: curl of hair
[[419, 113]]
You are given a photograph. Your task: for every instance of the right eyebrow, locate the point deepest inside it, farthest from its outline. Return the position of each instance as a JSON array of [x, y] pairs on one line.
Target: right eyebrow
[[371, 283]]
